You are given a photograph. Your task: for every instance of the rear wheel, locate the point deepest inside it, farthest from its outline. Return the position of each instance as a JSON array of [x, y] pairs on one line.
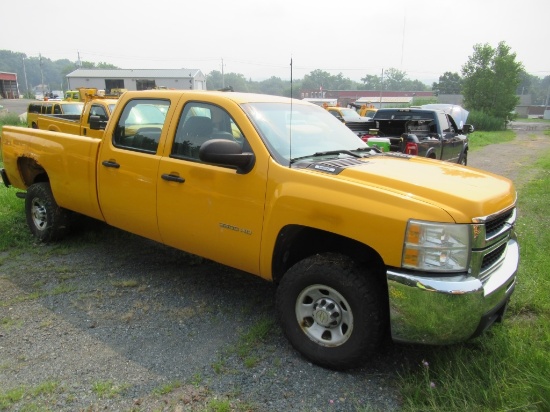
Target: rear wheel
[[332, 311], [46, 220]]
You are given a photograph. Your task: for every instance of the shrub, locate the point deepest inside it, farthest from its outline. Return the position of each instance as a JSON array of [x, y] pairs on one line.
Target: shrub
[[483, 121], [10, 119]]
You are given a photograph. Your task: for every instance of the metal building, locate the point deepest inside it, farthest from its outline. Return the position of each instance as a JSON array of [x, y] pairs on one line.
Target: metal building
[[8, 85], [137, 79]]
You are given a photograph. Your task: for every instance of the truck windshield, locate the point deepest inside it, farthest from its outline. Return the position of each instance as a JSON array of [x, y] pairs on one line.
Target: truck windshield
[[298, 130]]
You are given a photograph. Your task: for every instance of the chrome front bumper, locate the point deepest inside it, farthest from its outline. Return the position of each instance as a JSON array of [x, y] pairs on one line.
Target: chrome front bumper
[[444, 310]]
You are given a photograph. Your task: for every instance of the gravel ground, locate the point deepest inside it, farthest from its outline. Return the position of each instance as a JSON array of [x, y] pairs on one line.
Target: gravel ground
[[109, 321]]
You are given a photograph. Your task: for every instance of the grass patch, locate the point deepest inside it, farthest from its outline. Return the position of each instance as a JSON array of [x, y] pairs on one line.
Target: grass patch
[[107, 389], [39, 294], [246, 346], [30, 396], [480, 139], [254, 336], [167, 388], [14, 232], [129, 283], [508, 368]]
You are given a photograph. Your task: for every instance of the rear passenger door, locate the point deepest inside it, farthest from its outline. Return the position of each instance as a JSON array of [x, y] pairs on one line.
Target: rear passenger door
[[128, 167]]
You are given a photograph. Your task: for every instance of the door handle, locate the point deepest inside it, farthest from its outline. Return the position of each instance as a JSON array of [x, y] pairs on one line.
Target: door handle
[[172, 178], [109, 163]]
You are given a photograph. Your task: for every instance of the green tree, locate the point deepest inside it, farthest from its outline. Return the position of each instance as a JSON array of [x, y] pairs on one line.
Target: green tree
[[538, 88], [449, 83], [215, 80], [394, 80], [320, 79], [372, 82], [273, 85], [491, 77]]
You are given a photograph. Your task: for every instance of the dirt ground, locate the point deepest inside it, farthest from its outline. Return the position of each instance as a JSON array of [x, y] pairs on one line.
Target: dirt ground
[[508, 159], [109, 321]]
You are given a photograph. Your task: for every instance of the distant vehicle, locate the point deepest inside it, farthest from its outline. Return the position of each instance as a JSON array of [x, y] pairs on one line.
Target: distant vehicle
[[72, 95], [52, 107], [428, 133], [97, 108], [321, 102]]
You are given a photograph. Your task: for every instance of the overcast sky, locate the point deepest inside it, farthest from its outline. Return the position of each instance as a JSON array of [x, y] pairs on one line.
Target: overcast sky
[[258, 38]]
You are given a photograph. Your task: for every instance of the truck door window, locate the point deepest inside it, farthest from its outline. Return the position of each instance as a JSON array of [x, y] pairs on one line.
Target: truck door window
[[140, 125], [97, 110], [200, 122], [444, 123]]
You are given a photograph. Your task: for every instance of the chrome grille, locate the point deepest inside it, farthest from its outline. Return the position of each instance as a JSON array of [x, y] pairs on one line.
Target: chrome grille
[[490, 258], [495, 225]]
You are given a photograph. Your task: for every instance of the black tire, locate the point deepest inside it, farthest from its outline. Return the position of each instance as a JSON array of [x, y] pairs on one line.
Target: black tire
[[46, 220], [464, 159], [332, 310]]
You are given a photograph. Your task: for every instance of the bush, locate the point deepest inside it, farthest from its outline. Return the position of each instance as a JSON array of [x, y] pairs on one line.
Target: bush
[[483, 121], [10, 119]]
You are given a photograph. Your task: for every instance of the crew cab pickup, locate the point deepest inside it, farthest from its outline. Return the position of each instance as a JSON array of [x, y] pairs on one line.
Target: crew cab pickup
[[96, 107], [52, 107], [422, 132], [281, 189]]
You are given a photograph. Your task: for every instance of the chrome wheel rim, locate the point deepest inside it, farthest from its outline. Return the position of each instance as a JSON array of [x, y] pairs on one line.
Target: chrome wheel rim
[[39, 214], [324, 315]]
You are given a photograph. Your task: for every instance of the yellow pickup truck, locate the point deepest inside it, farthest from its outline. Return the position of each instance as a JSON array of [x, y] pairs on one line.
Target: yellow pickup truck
[[50, 107], [93, 106], [361, 245]]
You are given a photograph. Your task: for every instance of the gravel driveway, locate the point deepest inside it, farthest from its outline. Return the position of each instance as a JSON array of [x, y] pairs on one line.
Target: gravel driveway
[[109, 321]]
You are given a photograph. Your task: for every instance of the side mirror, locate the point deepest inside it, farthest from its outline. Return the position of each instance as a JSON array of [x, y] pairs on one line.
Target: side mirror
[[227, 153], [468, 128], [97, 124]]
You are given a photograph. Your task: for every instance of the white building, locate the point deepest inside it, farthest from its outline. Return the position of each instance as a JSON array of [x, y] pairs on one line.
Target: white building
[[137, 79]]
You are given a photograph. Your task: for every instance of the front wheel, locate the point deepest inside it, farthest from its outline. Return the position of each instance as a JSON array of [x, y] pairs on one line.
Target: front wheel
[[332, 310], [464, 159], [46, 220]]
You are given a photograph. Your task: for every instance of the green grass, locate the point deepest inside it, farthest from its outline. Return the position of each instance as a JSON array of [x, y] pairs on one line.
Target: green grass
[[107, 389], [10, 119], [13, 225], [531, 120], [508, 368], [44, 390], [480, 139]]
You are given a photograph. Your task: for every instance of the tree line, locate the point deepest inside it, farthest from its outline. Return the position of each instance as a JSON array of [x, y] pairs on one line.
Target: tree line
[[490, 81]]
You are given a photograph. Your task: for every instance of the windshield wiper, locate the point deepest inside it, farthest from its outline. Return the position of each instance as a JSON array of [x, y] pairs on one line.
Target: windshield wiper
[[327, 153], [369, 148]]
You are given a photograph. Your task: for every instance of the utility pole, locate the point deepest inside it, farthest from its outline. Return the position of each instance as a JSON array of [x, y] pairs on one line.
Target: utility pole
[[381, 88], [41, 76], [223, 79], [25, 74]]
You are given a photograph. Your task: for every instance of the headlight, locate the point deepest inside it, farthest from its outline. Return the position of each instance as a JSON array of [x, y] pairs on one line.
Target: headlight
[[437, 247]]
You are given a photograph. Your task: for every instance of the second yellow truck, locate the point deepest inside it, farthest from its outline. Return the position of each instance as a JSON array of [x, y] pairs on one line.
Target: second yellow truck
[[93, 106]]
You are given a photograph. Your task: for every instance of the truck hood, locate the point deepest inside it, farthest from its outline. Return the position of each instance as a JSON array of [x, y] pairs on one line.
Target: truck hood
[[461, 191]]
